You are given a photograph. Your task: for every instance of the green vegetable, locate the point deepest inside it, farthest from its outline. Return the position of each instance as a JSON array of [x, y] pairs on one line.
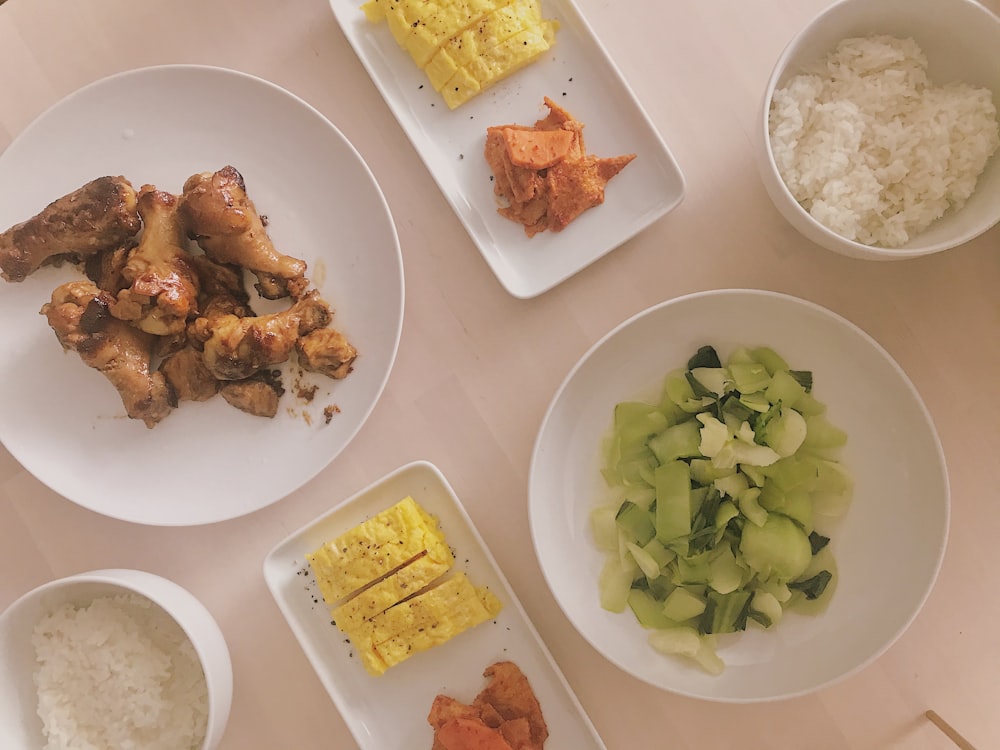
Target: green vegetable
[[706, 356], [717, 489], [725, 613], [635, 522], [776, 549], [813, 587], [673, 501]]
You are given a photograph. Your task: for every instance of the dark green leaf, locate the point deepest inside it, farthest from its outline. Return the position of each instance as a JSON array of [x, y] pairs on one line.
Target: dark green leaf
[[814, 587], [732, 405], [725, 613], [803, 378], [706, 356], [700, 391], [817, 541]]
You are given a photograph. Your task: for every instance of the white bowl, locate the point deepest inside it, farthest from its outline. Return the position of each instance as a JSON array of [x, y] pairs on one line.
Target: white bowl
[[960, 39], [20, 726], [888, 547]]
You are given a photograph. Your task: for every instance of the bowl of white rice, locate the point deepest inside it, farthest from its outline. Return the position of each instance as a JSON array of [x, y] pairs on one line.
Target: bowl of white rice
[[878, 131], [120, 659]]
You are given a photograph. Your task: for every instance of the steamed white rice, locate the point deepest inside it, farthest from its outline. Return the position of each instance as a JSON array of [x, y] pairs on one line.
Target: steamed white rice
[[118, 674], [872, 149]]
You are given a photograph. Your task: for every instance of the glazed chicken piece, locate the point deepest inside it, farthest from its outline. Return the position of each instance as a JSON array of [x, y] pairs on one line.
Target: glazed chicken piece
[[162, 284], [326, 351], [98, 216], [80, 316], [105, 268], [236, 347], [222, 219], [257, 395], [187, 375], [222, 293]]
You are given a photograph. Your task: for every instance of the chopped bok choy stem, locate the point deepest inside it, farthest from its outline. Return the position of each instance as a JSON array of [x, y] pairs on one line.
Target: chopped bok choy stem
[[715, 493]]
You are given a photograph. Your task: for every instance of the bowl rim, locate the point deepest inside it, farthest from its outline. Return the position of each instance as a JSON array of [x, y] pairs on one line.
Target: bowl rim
[[925, 414], [133, 581], [850, 247]]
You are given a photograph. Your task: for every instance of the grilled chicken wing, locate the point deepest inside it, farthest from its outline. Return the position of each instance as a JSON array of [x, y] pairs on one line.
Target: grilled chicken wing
[[79, 315], [98, 216], [237, 347], [222, 219], [162, 287]]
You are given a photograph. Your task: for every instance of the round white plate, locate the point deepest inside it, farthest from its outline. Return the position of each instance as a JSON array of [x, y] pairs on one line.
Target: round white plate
[[207, 461], [888, 547]]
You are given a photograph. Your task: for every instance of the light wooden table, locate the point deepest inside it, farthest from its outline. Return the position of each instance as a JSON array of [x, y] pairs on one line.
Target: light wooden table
[[471, 401]]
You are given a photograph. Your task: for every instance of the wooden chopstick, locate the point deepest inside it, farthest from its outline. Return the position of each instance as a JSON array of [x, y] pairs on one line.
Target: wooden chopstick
[[949, 731]]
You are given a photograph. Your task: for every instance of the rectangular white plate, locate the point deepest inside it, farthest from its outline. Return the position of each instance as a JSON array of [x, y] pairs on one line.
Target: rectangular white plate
[[405, 692], [577, 74]]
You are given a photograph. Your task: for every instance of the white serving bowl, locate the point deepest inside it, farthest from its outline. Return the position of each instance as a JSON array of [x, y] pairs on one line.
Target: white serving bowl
[[20, 726], [961, 39], [888, 547]]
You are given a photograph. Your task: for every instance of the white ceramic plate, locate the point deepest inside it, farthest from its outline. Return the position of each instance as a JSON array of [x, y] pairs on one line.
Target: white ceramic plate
[[454, 668], [888, 547], [207, 461], [577, 74]]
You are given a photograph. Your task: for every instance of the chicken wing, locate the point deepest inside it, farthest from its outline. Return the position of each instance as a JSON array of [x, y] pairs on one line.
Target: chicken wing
[[222, 219], [162, 287], [237, 347], [326, 351], [105, 268], [257, 395], [79, 315], [187, 375], [98, 216]]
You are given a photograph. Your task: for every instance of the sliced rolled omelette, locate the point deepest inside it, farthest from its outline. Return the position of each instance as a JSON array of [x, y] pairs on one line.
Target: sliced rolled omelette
[[387, 584], [378, 597], [375, 548], [422, 622], [465, 46]]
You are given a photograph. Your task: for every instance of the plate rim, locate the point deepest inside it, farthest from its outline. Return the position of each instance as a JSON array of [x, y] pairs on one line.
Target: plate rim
[[455, 503], [491, 252], [784, 298], [222, 73]]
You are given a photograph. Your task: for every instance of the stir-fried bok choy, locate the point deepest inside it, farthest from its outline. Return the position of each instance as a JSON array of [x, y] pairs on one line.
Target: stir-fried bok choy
[[716, 494]]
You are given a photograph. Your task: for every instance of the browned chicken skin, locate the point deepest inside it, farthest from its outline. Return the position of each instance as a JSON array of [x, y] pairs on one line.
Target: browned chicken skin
[[257, 395], [162, 287], [221, 289], [98, 216], [237, 347], [326, 351], [79, 315], [105, 268], [222, 219], [149, 299], [187, 375]]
